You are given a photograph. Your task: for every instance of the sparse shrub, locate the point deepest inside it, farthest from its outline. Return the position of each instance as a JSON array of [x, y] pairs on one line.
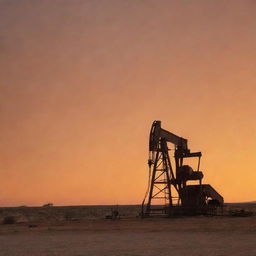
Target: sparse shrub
[[9, 220], [32, 225]]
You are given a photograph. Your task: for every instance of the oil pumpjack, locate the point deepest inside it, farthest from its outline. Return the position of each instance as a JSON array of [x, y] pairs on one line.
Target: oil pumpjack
[[168, 191]]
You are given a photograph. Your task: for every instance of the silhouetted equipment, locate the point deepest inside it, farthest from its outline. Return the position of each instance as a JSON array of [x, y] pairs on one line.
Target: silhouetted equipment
[[168, 187], [114, 214]]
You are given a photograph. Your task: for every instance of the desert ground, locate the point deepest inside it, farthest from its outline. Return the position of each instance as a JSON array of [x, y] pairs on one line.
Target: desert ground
[[85, 231]]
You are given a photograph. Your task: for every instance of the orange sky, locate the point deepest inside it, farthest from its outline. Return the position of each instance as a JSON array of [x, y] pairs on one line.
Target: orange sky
[[82, 81]]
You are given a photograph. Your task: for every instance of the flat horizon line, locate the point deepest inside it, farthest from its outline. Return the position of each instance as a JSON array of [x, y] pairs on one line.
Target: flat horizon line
[[97, 205]]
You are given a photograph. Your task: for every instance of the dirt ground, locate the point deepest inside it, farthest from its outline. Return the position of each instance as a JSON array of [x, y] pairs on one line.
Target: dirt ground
[[132, 236]]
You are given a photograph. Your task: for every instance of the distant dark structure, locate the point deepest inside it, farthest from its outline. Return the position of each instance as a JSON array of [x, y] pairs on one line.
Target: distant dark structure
[[168, 192], [48, 205]]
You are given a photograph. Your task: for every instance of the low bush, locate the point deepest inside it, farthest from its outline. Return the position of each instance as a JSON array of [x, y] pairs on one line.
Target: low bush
[[9, 220]]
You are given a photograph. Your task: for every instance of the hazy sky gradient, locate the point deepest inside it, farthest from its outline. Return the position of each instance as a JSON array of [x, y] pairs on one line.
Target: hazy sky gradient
[[81, 82]]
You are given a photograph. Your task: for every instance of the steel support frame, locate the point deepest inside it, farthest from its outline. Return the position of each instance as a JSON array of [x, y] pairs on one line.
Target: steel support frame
[[163, 178]]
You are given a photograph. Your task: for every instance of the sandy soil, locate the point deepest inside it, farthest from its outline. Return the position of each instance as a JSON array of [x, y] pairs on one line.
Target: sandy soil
[[180, 236]]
